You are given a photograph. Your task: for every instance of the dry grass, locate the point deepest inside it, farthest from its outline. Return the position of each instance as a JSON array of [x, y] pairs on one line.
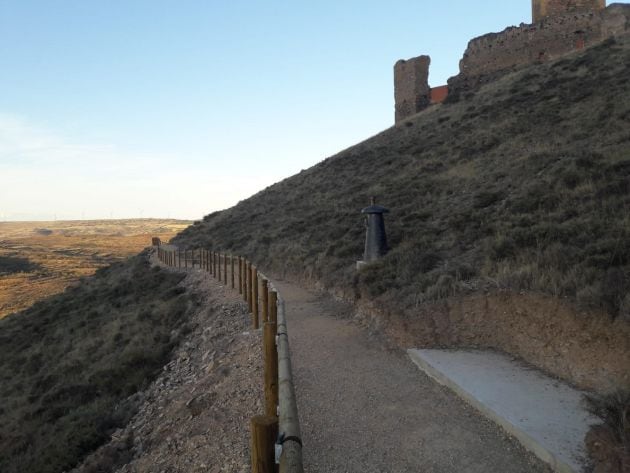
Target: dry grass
[[609, 443], [70, 365], [523, 185], [38, 259]]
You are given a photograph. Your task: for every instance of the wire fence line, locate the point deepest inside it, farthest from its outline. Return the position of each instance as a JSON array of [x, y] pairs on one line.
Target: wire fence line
[[276, 441]]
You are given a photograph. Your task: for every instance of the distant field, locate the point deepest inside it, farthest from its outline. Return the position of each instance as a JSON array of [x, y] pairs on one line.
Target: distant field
[[38, 259]]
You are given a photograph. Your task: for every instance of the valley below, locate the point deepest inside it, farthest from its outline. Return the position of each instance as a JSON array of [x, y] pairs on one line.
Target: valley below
[[39, 259]]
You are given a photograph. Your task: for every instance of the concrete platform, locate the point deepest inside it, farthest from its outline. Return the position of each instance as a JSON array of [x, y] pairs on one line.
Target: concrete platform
[[547, 416]]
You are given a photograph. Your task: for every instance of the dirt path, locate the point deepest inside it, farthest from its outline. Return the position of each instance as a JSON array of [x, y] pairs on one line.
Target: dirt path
[[365, 409]]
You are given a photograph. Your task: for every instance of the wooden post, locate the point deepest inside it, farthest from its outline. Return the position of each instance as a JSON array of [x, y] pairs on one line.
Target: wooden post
[[249, 288], [271, 368], [214, 264], [219, 266], [232, 270], [225, 269], [264, 431], [255, 296], [240, 279], [244, 279], [273, 307], [265, 301]]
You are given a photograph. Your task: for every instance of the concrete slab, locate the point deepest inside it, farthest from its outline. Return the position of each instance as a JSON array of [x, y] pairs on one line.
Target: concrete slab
[[547, 416]]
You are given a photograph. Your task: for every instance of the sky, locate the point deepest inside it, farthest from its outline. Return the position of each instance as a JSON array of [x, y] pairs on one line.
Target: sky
[[174, 109]]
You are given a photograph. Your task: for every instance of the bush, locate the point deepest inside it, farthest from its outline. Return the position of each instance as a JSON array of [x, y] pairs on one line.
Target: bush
[[68, 363]]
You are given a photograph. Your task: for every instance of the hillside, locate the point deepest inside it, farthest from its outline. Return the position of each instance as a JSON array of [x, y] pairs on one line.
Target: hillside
[[520, 188], [71, 364], [509, 229]]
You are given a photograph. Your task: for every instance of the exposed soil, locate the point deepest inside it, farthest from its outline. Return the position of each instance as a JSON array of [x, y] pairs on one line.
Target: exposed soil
[[591, 351]]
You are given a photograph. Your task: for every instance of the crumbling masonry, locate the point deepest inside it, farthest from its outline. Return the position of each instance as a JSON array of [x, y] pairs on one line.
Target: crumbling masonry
[[549, 8], [560, 27], [411, 86]]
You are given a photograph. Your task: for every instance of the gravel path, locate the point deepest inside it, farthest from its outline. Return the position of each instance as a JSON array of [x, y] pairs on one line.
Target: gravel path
[[364, 408]]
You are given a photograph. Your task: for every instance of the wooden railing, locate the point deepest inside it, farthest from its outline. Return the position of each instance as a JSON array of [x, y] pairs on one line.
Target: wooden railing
[[276, 437]]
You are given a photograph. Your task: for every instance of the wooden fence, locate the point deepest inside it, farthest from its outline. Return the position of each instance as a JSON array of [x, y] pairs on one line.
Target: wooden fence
[[276, 437]]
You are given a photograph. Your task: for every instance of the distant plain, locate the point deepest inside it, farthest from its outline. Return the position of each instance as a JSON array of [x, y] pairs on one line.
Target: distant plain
[[39, 259]]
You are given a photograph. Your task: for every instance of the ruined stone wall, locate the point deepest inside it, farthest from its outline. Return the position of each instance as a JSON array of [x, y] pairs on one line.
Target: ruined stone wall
[[548, 39], [545, 8], [411, 86]]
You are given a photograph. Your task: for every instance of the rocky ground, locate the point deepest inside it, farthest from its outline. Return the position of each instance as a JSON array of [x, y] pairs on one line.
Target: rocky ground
[[195, 416]]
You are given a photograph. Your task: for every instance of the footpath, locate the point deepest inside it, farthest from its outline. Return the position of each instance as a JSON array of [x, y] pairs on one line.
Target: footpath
[[365, 408]]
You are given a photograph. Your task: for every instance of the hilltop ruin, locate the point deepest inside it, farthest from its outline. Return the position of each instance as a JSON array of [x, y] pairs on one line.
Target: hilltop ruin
[[559, 27]]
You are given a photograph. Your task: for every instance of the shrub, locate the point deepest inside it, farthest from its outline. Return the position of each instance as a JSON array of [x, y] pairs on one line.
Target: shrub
[[68, 363]]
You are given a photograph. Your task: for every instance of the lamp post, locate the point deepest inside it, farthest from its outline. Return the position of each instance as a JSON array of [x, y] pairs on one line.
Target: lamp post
[[375, 237]]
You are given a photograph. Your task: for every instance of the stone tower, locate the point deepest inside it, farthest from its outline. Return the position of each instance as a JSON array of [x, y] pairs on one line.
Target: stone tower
[[544, 8], [411, 86]]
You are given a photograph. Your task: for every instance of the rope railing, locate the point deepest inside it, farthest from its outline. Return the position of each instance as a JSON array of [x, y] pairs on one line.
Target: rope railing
[[276, 439]]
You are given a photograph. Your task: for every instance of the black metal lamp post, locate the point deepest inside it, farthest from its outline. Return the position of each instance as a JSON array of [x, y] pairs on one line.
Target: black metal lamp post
[[375, 238]]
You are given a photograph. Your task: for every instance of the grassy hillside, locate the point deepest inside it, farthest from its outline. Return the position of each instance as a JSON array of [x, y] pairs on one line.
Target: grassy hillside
[[522, 185], [69, 364]]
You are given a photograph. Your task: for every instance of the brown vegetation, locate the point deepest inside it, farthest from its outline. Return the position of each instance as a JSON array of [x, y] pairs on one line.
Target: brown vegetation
[[609, 444], [38, 259], [70, 365]]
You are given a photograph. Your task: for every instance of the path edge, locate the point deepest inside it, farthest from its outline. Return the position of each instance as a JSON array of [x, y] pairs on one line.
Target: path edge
[[527, 441]]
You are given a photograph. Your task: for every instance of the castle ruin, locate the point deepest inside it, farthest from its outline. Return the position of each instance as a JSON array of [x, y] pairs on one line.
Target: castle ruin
[[411, 86], [559, 27], [549, 8]]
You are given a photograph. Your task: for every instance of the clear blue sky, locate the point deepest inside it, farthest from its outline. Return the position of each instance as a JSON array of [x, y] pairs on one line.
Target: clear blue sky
[[130, 108]]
